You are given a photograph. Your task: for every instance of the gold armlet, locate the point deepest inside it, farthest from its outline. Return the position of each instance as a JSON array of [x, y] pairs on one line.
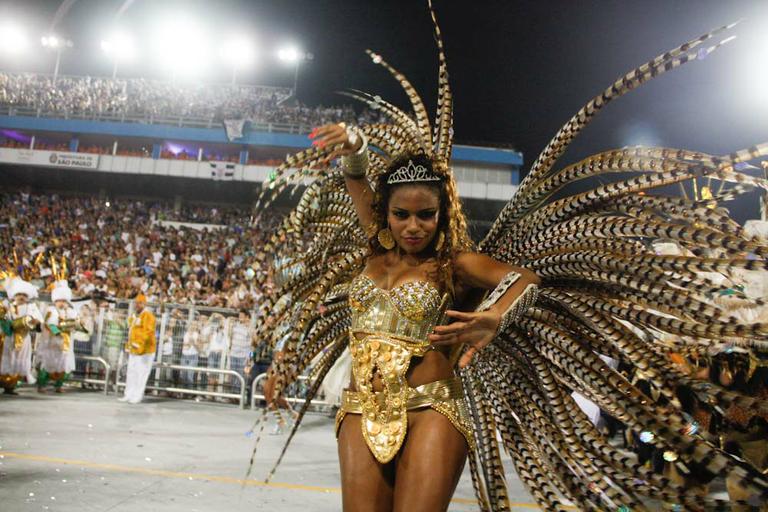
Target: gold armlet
[[523, 301], [355, 165], [521, 304]]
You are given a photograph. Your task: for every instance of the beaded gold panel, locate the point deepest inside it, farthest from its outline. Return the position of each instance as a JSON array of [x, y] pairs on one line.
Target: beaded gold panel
[[389, 327]]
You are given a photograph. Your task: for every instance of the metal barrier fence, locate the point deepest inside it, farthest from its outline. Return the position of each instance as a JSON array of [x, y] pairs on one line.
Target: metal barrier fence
[[241, 396], [201, 351], [84, 377], [295, 394]]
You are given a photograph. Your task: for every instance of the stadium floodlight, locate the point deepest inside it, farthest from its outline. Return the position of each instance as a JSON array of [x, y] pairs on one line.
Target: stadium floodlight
[[292, 55], [13, 38], [239, 52], [182, 47], [118, 47], [289, 54], [56, 44], [50, 41]]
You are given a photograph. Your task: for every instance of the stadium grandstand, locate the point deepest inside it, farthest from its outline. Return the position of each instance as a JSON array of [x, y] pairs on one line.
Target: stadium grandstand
[[164, 328], [126, 137], [149, 187]]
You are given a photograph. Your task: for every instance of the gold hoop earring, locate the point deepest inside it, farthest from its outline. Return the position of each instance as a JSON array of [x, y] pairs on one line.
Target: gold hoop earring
[[385, 238], [440, 241]]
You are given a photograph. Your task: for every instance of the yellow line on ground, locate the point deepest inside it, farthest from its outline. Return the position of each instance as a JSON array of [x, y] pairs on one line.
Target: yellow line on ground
[[200, 476]]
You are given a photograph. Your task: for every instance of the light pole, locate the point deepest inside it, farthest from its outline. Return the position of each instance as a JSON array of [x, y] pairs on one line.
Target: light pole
[[239, 51], [58, 45], [292, 55], [764, 202], [119, 47]]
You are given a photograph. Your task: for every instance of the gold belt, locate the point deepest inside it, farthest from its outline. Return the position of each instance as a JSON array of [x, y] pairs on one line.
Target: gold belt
[[444, 396]]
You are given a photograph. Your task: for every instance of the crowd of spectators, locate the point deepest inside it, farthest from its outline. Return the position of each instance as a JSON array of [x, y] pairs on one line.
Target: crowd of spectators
[[126, 248], [151, 99]]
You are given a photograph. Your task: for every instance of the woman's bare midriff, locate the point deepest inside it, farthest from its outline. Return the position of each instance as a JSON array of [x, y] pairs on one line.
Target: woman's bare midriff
[[435, 365]]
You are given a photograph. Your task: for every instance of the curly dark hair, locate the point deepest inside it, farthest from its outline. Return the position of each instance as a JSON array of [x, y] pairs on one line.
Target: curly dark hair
[[451, 222]]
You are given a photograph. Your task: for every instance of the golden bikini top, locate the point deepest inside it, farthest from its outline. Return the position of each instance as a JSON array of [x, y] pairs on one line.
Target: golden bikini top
[[409, 311]]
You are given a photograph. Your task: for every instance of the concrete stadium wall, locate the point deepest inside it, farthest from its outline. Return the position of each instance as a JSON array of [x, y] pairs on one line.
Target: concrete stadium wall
[[210, 170]]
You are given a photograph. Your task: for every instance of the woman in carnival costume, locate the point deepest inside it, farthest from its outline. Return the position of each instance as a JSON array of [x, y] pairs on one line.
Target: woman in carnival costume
[[559, 279], [56, 351], [20, 317]]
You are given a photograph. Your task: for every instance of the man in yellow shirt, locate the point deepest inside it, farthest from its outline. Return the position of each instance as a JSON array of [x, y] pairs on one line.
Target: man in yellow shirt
[[141, 347]]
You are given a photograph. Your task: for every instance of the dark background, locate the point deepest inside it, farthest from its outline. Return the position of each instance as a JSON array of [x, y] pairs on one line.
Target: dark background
[[519, 69]]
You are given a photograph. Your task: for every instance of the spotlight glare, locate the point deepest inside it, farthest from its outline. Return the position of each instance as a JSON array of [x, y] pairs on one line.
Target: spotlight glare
[[118, 46], [13, 39], [239, 51], [752, 90], [639, 133], [181, 46]]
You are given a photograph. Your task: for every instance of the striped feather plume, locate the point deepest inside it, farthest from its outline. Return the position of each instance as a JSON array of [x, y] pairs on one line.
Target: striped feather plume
[[603, 282], [605, 291]]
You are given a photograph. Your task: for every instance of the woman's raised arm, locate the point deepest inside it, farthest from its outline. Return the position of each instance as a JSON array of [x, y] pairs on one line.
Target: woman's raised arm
[[355, 161]]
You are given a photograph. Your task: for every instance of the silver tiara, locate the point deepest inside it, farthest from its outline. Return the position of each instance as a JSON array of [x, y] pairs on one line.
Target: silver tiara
[[411, 173]]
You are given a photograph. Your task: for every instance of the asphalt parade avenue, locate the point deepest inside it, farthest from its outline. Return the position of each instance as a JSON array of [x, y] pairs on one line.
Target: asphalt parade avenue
[[86, 452]]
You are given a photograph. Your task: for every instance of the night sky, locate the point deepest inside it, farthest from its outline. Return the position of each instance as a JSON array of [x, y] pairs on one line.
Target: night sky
[[519, 69]]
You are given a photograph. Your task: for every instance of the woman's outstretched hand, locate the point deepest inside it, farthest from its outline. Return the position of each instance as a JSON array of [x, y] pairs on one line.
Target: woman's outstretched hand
[[334, 136], [476, 329]]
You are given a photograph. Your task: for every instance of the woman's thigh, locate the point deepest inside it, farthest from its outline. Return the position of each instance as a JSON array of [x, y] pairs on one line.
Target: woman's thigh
[[430, 463], [366, 485]]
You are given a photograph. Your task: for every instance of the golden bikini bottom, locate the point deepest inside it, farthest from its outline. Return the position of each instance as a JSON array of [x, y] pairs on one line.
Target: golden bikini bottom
[[444, 396]]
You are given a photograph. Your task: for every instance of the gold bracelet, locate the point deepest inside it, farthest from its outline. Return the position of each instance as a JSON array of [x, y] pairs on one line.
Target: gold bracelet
[[355, 165]]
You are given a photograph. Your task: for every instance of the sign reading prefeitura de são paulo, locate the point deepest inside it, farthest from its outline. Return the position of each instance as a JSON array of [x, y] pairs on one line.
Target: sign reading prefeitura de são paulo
[[49, 158]]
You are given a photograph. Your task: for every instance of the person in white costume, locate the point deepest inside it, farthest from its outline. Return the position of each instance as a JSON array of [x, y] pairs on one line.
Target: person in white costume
[[217, 345], [142, 343], [55, 351], [337, 379], [20, 318]]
